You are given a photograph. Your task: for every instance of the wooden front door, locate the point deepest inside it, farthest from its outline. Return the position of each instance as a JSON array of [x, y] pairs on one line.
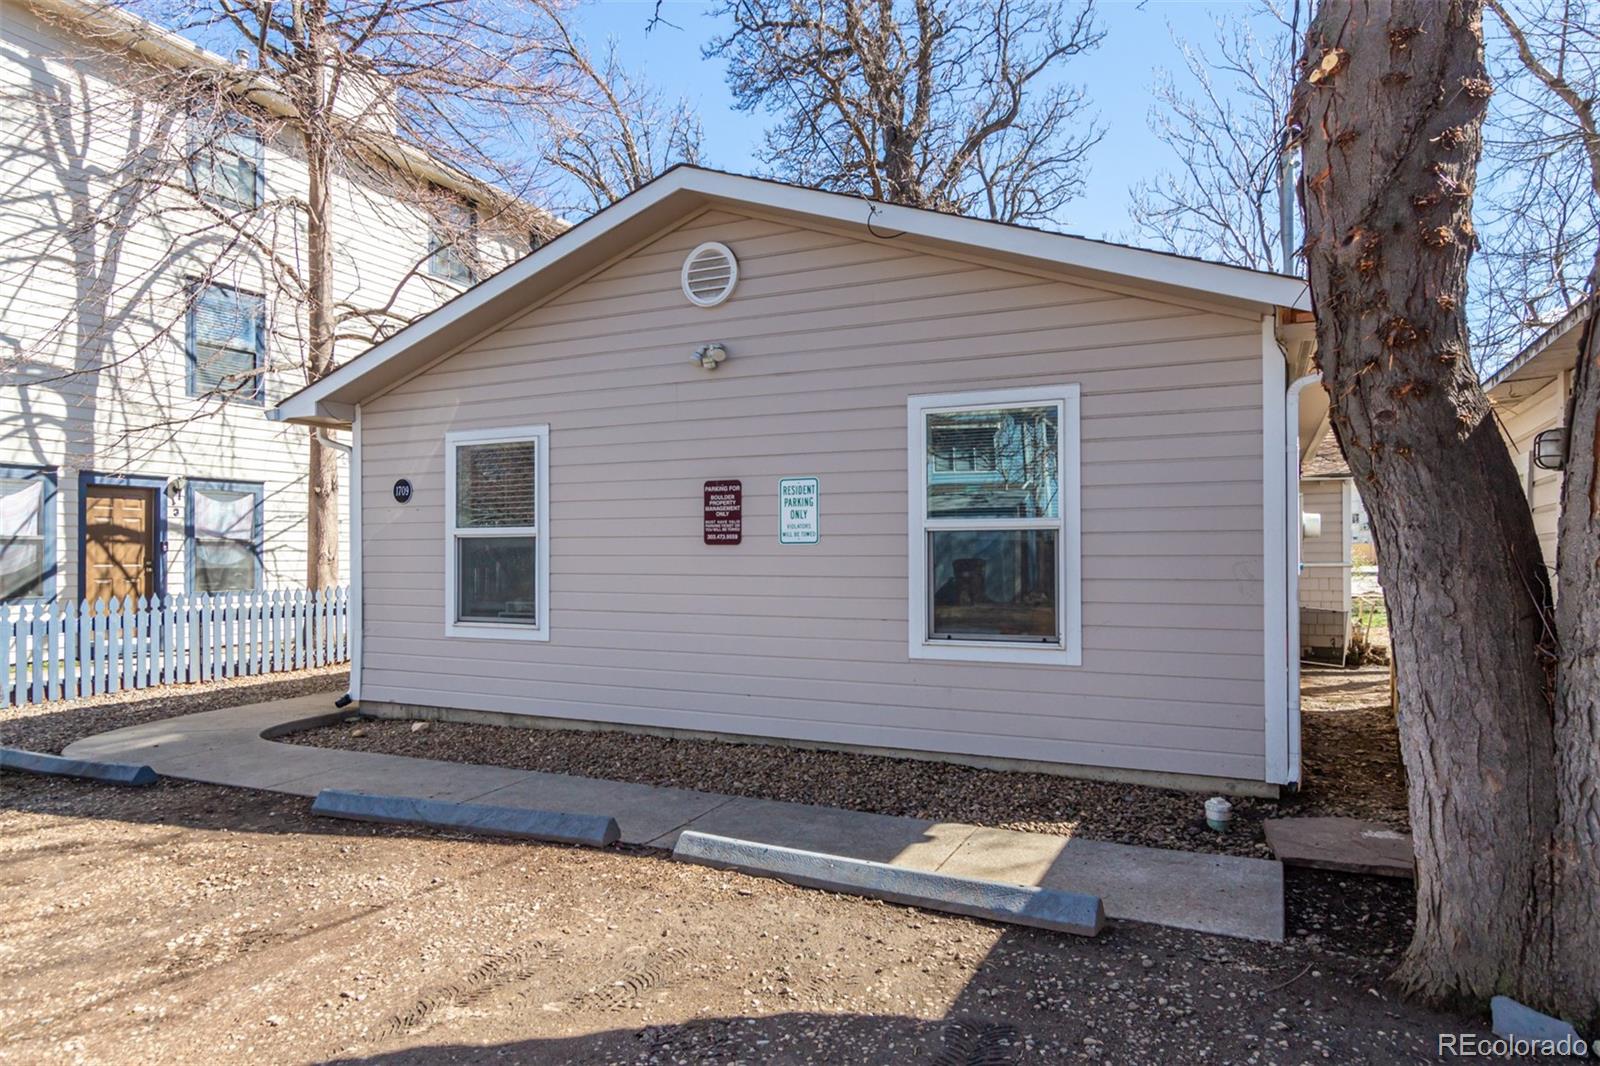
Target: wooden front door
[[119, 542]]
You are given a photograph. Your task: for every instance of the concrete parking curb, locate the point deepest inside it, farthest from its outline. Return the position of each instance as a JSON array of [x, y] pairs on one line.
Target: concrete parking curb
[[591, 830], [115, 773], [1043, 908]]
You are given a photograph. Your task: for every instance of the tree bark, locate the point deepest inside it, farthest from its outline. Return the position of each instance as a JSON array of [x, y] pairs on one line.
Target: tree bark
[[1390, 108], [322, 474], [1576, 863]]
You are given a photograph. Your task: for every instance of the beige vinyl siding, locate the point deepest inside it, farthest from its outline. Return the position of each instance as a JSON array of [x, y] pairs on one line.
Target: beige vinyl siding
[[828, 333], [1543, 410], [1325, 569], [93, 370]]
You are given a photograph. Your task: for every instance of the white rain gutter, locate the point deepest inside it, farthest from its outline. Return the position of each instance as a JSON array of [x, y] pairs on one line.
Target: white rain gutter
[[323, 435], [1291, 480]]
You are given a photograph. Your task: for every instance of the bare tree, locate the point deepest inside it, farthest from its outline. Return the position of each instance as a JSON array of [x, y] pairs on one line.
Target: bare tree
[[1502, 778], [1559, 45], [1225, 126], [413, 108], [607, 132], [956, 105], [1541, 214]]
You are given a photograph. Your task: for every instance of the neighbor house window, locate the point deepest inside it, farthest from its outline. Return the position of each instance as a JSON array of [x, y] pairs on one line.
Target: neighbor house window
[[452, 243], [497, 560], [994, 526], [226, 162], [224, 530], [227, 343], [27, 533]]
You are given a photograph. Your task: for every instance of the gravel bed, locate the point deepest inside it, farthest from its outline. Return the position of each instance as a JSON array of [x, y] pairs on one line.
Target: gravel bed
[[50, 727], [1036, 802]]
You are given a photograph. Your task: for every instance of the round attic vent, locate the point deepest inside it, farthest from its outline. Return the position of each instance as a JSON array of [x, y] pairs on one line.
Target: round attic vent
[[709, 274]]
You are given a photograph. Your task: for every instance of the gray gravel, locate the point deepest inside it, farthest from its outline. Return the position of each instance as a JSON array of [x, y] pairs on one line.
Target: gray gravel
[[1037, 802]]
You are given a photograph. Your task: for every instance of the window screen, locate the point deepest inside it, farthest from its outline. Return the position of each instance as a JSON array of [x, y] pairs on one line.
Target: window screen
[[227, 342], [496, 530]]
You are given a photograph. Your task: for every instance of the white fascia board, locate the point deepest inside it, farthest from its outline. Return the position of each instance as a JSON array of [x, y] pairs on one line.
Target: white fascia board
[[1575, 317], [457, 318]]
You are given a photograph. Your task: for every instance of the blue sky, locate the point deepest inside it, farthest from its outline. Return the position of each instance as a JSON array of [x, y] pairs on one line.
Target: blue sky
[[1118, 76]]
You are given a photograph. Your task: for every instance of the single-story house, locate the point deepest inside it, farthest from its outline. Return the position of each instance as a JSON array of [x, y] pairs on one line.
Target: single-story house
[[1530, 394], [738, 458]]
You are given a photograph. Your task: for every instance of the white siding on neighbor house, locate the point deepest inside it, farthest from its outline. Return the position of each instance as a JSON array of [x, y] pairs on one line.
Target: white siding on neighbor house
[[828, 333], [66, 307], [1543, 410], [1325, 567]]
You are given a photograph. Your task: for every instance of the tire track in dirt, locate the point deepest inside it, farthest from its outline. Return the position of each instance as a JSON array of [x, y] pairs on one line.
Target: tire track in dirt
[[494, 974], [658, 969], [976, 1042]]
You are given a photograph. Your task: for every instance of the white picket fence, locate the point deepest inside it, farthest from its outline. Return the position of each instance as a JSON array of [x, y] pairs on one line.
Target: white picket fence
[[65, 650]]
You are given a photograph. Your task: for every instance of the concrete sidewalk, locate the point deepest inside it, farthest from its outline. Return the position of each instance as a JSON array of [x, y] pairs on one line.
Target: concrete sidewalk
[[1220, 894]]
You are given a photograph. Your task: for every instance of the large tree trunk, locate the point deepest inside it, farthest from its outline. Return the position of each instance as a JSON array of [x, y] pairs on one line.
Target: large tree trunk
[[1390, 109], [322, 478], [1577, 719]]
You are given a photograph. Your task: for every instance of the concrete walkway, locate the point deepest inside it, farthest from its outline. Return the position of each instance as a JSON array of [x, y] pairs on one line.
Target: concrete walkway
[[1211, 893]]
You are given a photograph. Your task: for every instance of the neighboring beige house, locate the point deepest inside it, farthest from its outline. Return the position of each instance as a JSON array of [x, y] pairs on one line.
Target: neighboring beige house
[[1327, 507], [1530, 395], [734, 457], [137, 455]]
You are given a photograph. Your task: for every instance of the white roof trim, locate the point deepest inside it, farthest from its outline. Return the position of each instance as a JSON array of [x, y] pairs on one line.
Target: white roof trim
[[1159, 268], [1576, 315]]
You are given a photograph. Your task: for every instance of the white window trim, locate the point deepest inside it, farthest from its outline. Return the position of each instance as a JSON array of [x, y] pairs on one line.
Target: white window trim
[[540, 435], [1069, 593]]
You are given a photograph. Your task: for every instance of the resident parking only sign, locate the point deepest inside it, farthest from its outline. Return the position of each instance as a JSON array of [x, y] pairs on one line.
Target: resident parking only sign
[[797, 510]]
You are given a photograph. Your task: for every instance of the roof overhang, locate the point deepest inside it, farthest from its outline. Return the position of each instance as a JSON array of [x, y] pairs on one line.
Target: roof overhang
[[686, 190], [1541, 362]]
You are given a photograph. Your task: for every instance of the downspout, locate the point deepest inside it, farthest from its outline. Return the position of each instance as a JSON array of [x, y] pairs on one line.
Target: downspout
[[324, 435], [1291, 477]]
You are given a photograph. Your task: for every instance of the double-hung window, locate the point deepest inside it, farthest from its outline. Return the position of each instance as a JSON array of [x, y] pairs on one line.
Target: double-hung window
[[226, 163], [27, 533], [497, 548], [224, 536], [227, 342], [453, 243], [994, 531]]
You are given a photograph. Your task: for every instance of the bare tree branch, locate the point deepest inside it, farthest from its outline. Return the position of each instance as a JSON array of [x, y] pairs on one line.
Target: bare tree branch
[[955, 105]]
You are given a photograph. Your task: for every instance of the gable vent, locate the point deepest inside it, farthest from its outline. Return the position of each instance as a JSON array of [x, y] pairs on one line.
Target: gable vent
[[709, 274]]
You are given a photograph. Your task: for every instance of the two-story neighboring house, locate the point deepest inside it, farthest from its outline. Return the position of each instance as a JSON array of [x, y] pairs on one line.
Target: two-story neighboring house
[[144, 334]]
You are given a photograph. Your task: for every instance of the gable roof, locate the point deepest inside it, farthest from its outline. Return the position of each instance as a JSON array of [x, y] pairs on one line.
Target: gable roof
[[685, 189]]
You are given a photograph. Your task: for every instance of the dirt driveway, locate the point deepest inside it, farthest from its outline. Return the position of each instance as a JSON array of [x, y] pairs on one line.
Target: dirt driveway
[[186, 923]]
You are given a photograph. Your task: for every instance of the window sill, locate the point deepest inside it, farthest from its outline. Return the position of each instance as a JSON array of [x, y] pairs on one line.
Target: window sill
[[493, 631], [983, 651]]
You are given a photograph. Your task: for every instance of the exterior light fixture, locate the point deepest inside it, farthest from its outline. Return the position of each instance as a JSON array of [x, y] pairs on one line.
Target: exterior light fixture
[[709, 356], [1550, 449]]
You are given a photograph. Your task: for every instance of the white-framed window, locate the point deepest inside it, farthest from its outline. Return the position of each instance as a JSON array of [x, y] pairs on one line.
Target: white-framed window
[[994, 526], [497, 547]]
